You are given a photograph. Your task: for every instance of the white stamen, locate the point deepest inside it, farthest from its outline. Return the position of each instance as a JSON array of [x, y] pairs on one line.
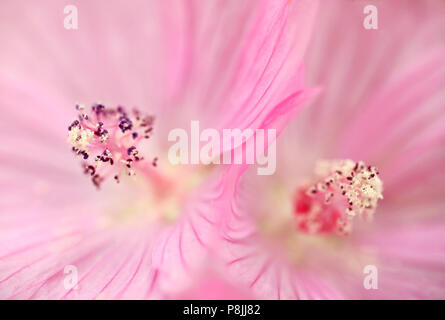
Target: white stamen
[[80, 138], [357, 182]]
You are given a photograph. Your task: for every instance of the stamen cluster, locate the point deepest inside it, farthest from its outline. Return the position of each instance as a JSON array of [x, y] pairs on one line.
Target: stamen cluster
[[106, 139], [343, 189], [356, 182]]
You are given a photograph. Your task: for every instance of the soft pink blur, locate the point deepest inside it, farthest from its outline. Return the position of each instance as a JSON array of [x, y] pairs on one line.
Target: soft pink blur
[[331, 88]]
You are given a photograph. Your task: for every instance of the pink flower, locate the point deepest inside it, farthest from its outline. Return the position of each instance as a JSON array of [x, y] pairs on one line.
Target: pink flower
[[315, 229], [225, 63]]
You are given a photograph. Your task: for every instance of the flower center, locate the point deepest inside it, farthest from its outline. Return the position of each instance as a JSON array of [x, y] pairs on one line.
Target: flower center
[[107, 139], [342, 189], [109, 142]]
